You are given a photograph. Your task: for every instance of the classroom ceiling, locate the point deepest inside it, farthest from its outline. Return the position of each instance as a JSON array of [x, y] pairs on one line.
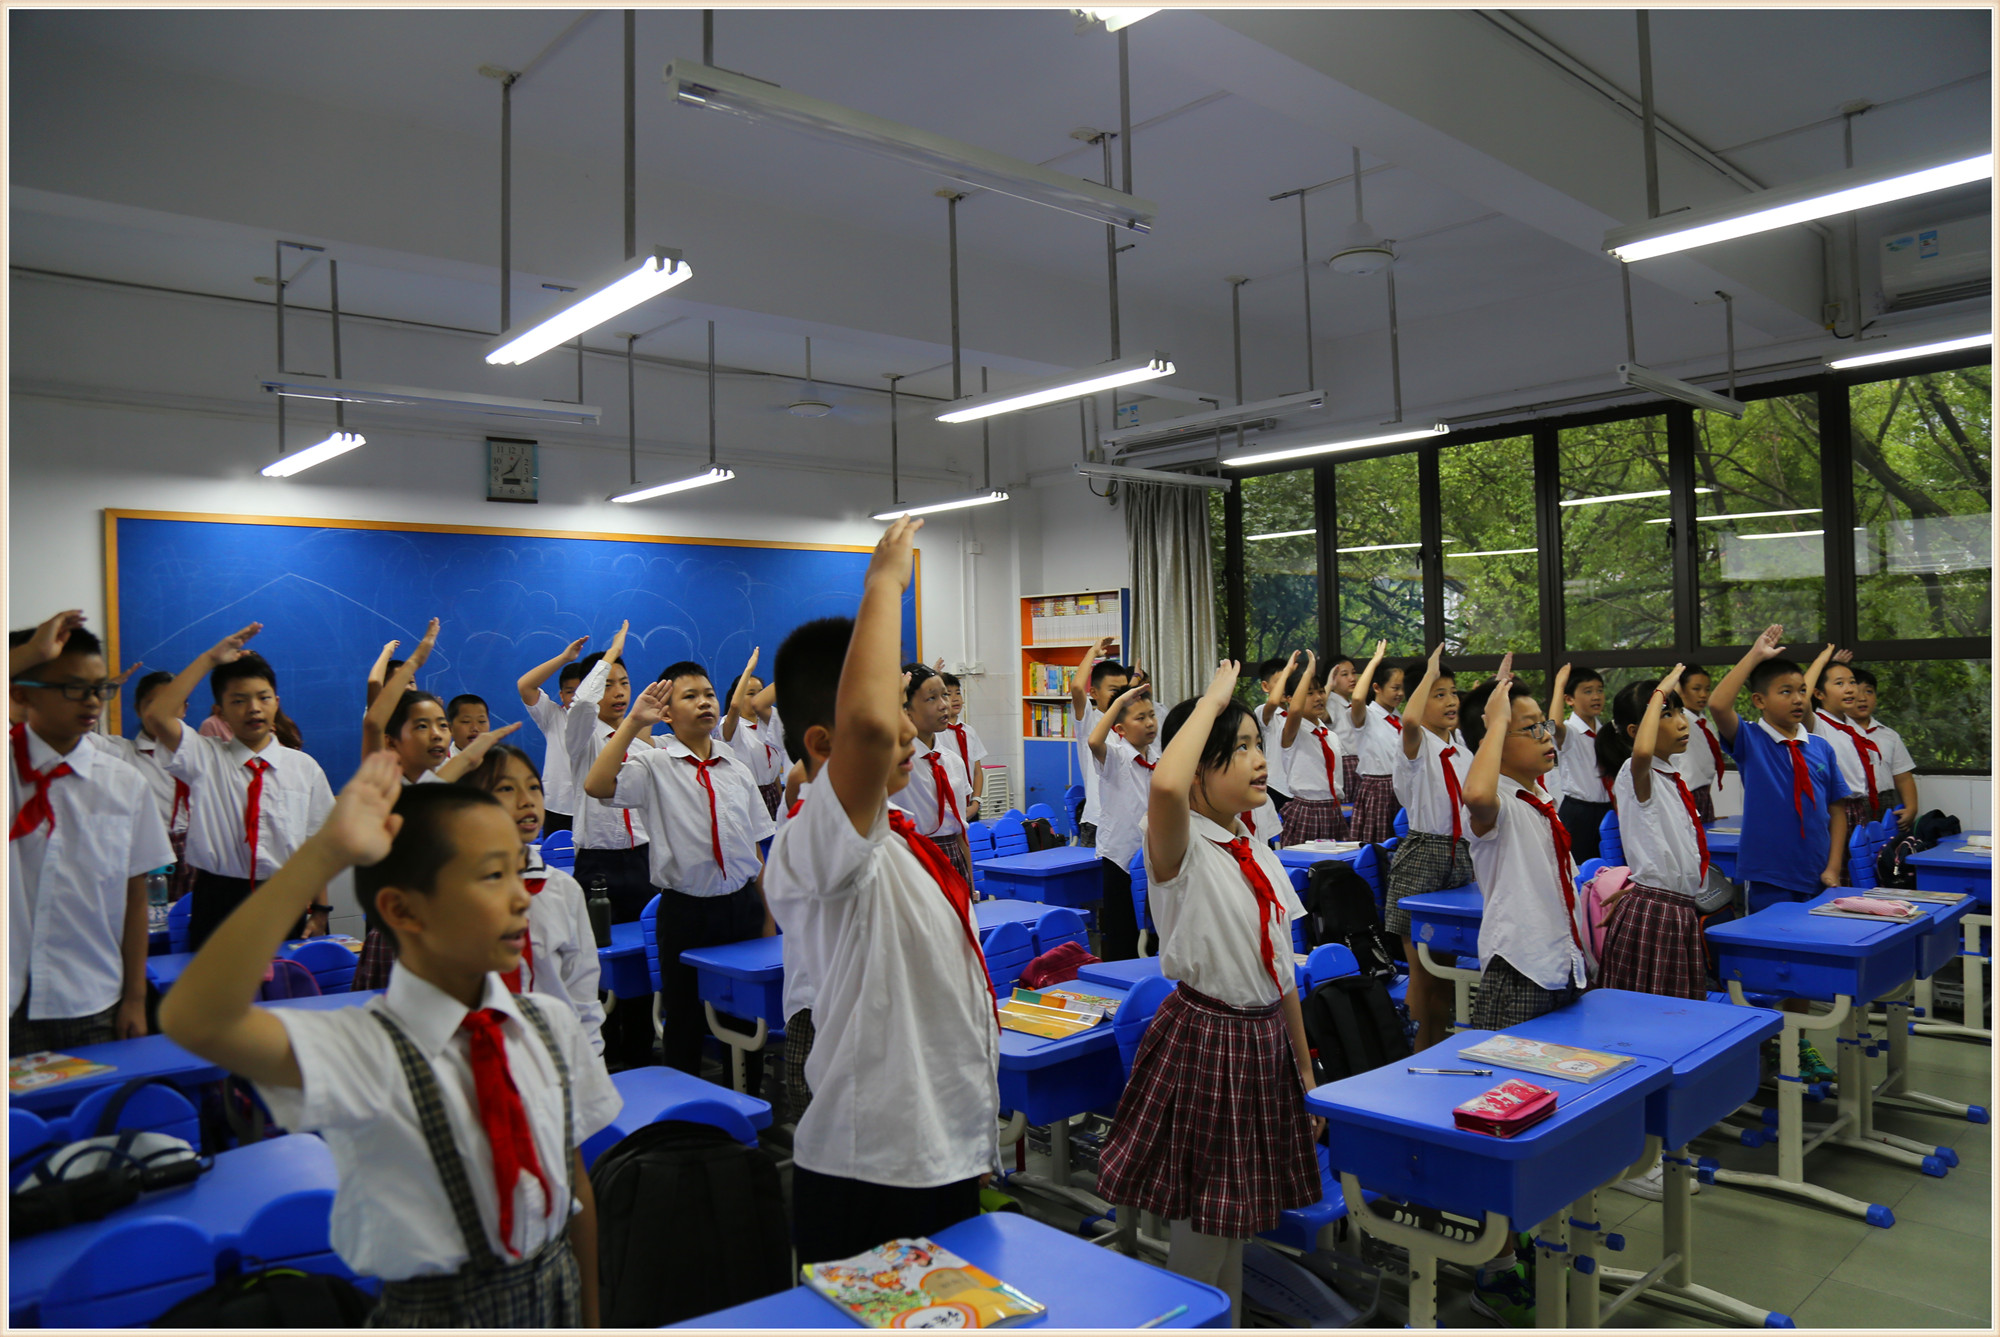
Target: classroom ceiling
[[1761, 86]]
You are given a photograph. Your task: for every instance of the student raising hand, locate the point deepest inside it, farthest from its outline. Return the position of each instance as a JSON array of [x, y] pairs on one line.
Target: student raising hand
[[474, 752], [46, 644], [650, 706]]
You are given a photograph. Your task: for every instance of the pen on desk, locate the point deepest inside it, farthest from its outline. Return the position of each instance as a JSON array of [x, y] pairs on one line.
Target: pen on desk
[[1175, 1312], [1451, 1072]]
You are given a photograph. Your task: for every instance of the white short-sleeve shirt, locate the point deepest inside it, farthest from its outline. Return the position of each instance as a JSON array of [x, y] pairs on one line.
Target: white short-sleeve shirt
[[1697, 762], [1273, 742], [596, 824], [1210, 921], [150, 759], [801, 984], [964, 741], [1526, 918], [294, 801], [1308, 773], [1124, 787], [1846, 753], [939, 816], [1092, 812], [1576, 762], [564, 946], [1381, 742], [692, 822], [558, 787], [1421, 788], [391, 1218], [1661, 847], [906, 1050], [66, 892], [1896, 759], [762, 749]]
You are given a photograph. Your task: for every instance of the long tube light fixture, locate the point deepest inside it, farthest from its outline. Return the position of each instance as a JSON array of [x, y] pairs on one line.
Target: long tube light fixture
[[1165, 477], [1644, 378], [1204, 424], [407, 396], [1624, 496], [951, 504], [1327, 447], [1738, 515], [1918, 350], [712, 474], [1054, 389], [1493, 552], [764, 103], [301, 460], [1802, 202], [637, 491], [658, 272], [1115, 17], [1280, 534], [1785, 534]]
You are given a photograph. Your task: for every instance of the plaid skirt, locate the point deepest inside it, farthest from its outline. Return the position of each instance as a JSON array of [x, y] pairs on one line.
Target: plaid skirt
[[378, 957], [1704, 805], [955, 850], [1212, 1128], [1375, 809], [1506, 997], [1350, 775], [541, 1291], [1423, 861], [774, 794], [1313, 819], [1857, 812], [59, 1034], [1654, 944], [798, 1048]]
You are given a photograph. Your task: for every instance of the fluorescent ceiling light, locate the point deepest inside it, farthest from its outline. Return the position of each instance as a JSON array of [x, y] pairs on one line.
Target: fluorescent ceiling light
[[406, 396], [1738, 515], [767, 104], [1920, 350], [1162, 476], [656, 273], [301, 460], [1281, 534], [1203, 424], [1380, 547], [1784, 534], [1839, 193], [1054, 389], [1122, 16], [1647, 379], [954, 504], [1492, 552], [702, 479], [1624, 496], [1299, 452]]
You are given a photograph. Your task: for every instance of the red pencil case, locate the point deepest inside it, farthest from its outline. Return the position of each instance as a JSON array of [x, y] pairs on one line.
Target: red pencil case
[[1506, 1109]]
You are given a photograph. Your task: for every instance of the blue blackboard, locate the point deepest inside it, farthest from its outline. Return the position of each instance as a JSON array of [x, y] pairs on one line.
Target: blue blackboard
[[329, 593]]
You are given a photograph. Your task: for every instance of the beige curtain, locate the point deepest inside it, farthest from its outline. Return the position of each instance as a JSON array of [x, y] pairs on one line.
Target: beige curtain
[[1173, 584]]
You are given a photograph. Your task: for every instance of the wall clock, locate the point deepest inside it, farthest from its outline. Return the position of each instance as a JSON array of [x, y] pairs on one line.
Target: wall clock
[[513, 469]]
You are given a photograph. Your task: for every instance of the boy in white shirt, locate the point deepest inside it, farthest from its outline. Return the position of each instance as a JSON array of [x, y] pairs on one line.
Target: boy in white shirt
[[905, 1062], [751, 726], [252, 800], [938, 788], [1700, 766], [1429, 780], [143, 751], [1897, 767], [702, 803], [965, 740], [1097, 683], [465, 715], [82, 833], [610, 842], [547, 714], [1121, 745], [453, 1108], [1371, 713], [1309, 758], [1585, 796]]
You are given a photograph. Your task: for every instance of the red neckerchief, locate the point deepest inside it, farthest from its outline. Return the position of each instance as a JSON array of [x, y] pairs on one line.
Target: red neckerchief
[[1801, 779], [1565, 873], [501, 1115], [37, 809], [1457, 798], [513, 978], [1149, 765], [253, 811], [952, 883], [714, 830], [1249, 823], [1268, 910], [1862, 747], [1394, 723], [1332, 763], [964, 748], [1714, 750], [946, 798], [793, 811], [1694, 818]]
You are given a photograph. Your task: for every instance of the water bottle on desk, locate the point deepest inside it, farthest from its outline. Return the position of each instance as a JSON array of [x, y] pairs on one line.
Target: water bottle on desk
[[156, 898], [597, 898]]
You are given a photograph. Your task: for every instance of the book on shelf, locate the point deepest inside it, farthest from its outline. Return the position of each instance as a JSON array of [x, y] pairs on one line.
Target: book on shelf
[[1061, 618], [916, 1283], [1050, 721], [1519, 1052], [32, 1072]]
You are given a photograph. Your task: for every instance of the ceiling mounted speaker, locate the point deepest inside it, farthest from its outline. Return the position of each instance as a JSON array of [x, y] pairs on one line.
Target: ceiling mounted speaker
[[808, 408], [1362, 253]]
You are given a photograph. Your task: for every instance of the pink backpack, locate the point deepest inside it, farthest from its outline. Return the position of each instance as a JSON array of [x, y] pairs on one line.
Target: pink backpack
[[1599, 895]]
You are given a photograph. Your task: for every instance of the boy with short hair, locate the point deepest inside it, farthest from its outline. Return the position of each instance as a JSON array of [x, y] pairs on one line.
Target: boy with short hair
[[750, 726], [1430, 782], [453, 1108], [1371, 713], [905, 1062], [1701, 765], [1308, 758], [610, 841], [1097, 683], [965, 739], [1121, 745], [83, 831], [252, 800], [1898, 767], [702, 804], [465, 716], [546, 712], [1585, 797], [144, 752]]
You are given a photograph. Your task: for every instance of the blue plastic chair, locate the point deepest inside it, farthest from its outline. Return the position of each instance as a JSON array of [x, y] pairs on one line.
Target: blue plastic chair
[[1059, 926], [177, 922], [1135, 1014], [1862, 850], [559, 850], [1073, 799], [1009, 836], [152, 1109], [1141, 911], [979, 841], [1371, 868], [654, 1094], [1402, 822], [331, 964], [1587, 871], [1609, 844], [649, 933], [288, 979], [1329, 960], [1042, 810], [1008, 949]]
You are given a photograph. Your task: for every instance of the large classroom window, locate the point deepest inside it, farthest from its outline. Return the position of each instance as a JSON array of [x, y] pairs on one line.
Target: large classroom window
[[1845, 509]]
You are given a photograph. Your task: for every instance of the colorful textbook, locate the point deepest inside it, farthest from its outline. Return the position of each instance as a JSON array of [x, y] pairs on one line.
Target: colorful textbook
[[31, 1072], [914, 1283], [1525, 1055]]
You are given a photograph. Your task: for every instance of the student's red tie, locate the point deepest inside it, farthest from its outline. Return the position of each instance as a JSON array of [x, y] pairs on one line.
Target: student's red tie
[[964, 748], [180, 803], [1714, 750], [631, 840], [1862, 747], [502, 1115], [714, 828], [523, 975], [1801, 779], [1694, 818], [1326, 754], [1149, 765], [946, 798], [945, 873], [1457, 798], [1269, 912], [253, 811], [1565, 872], [1394, 723], [37, 809]]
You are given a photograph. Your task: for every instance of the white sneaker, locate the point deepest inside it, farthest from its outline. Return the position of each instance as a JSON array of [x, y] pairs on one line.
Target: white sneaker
[[1650, 1185]]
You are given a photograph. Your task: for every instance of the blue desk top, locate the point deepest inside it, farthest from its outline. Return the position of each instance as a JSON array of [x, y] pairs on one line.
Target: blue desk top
[[1022, 1052], [1947, 854], [1119, 974], [993, 913], [148, 1056], [628, 937], [1297, 858], [326, 1002], [1788, 925], [758, 959], [1043, 863], [1083, 1285], [1457, 903]]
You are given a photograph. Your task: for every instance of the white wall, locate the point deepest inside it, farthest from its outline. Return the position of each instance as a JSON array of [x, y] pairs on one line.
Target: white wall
[[1966, 797]]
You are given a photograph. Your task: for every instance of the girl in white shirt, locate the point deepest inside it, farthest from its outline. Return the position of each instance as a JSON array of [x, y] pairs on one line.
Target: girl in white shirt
[[1378, 730], [1212, 1132], [1309, 758], [1701, 764], [1653, 942]]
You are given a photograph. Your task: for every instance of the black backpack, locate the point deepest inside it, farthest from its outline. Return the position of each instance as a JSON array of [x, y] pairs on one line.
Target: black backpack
[[1340, 907], [1041, 834], [277, 1297], [1892, 865], [1934, 826], [1352, 1027], [689, 1221]]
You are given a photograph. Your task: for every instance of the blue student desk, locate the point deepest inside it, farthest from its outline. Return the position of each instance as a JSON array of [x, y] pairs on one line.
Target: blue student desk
[[1083, 1285], [1392, 1132], [1125, 974], [326, 1002], [1725, 838], [1936, 943], [1448, 921], [1298, 858], [1713, 1050], [1784, 949], [622, 966], [653, 1094], [1948, 866], [1067, 875], [268, 1203], [992, 913], [1046, 1081], [745, 980], [148, 1056]]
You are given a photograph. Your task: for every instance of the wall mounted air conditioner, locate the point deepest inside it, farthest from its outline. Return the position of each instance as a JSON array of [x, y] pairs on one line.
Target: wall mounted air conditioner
[[1936, 263]]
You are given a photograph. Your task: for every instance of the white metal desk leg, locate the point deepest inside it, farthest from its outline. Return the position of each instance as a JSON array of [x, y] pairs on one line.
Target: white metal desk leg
[[1461, 979], [1975, 975], [1552, 1272], [738, 1041], [1855, 1126], [1893, 1091], [1585, 1229], [1426, 1248]]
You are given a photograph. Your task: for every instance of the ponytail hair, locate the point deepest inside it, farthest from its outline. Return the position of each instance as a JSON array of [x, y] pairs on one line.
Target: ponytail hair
[[1628, 708], [400, 716]]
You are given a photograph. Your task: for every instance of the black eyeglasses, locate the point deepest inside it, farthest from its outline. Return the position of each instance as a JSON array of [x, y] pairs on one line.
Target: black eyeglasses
[[74, 691], [1540, 731]]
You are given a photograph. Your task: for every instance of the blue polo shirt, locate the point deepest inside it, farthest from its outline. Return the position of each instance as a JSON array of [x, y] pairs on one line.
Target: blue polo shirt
[[1772, 849]]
